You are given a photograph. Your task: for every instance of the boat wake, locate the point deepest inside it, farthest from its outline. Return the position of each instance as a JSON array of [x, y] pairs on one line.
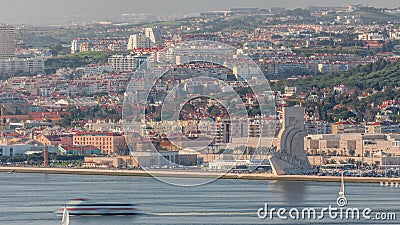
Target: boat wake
[[229, 213]]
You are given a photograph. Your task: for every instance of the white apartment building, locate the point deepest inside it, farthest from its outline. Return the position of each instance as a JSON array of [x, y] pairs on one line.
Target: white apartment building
[[371, 37], [395, 35], [76, 45], [31, 65], [121, 63], [139, 41], [96, 69], [154, 34]]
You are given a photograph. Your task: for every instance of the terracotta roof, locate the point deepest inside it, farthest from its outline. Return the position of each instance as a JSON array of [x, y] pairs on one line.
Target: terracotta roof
[[82, 148], [94, 133]]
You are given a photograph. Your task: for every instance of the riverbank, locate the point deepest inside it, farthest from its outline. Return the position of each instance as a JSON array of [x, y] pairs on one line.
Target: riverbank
[[195, 174]]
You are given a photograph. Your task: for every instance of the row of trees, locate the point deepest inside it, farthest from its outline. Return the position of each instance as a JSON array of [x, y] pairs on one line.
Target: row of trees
[[38, 158], [77, 114], [373, 75], [77, 59]]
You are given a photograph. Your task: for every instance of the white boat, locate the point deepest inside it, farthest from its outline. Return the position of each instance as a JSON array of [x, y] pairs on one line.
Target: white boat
[[80, 206], [65, 217], [342, 200], [341, 192]]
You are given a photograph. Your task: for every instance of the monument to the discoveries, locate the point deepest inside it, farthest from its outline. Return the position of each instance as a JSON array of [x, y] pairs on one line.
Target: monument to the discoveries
[[290, 156]]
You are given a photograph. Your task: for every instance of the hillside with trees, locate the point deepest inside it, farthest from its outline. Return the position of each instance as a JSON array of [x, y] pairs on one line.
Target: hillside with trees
[[367, 87], [373, 75]]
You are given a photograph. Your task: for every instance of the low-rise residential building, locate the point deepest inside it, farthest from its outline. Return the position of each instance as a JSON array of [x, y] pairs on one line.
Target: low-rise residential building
[[290, 91], [318, 127], [384, 127], [371, 37], [98, 44], [348, 126], [335, 67]]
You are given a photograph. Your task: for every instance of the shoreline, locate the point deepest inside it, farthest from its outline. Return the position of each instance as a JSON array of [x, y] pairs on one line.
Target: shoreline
[[194, 174]]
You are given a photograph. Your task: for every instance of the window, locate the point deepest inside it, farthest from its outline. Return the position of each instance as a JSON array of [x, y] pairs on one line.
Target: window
[[395, 143]]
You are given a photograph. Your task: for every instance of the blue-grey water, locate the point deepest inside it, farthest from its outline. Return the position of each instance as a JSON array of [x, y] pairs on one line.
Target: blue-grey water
[[32, 199]]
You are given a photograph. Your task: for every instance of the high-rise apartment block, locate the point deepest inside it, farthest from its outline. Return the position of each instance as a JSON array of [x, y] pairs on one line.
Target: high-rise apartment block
[[138, 41], [154, 34], [151, 38], [124, 63], [7, 41]]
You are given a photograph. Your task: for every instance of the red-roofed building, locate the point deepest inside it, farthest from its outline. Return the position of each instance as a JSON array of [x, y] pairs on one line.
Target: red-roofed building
[[54, 139], [388, 103], [373, 44], [13, 135]]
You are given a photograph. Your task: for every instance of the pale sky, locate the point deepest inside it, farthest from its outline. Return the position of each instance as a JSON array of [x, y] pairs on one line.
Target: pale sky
[[57, 11]]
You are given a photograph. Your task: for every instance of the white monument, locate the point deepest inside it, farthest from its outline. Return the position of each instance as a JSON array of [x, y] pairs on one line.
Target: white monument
[[290, 157]]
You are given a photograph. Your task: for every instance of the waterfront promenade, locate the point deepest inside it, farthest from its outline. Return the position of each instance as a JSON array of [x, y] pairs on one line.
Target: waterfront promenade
[[196, 174]]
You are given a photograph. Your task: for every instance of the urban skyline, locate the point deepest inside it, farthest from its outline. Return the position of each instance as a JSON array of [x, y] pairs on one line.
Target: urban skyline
[[75, 11], [232, 105]]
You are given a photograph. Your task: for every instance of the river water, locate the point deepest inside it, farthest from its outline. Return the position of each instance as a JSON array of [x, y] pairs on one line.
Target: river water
[[32, 199]]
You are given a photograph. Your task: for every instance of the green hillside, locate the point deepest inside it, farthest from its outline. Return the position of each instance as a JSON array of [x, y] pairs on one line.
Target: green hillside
[[373, 75], [368, 86]]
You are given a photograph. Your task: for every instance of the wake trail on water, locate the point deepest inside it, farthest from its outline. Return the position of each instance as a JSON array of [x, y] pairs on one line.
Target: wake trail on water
[[230, 213]]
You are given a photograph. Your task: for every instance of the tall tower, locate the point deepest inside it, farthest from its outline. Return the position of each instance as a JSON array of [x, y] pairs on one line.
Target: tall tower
[[7, 41], [46, 156]]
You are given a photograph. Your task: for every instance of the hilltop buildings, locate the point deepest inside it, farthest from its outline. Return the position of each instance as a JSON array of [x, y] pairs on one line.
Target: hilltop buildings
[[151, 38], [98, 44], [8, 61], [281, 46]]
